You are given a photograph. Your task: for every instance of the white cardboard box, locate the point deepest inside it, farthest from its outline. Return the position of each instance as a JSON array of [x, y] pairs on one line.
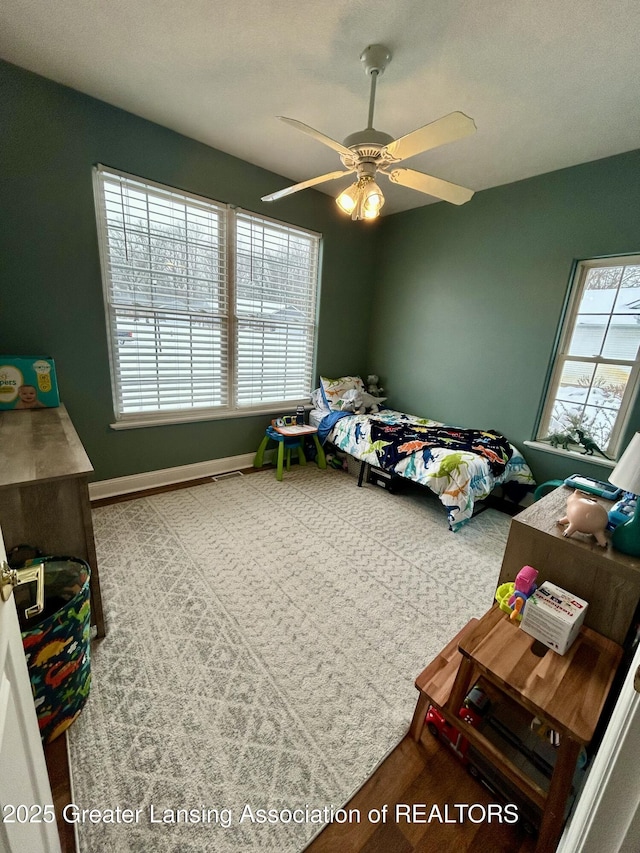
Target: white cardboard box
[[554, 616]]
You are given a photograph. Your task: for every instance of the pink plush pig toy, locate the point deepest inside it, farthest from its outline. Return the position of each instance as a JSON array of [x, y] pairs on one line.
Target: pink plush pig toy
[[585, 515]]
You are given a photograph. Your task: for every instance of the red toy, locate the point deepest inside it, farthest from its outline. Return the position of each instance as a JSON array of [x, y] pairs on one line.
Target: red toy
[[475, 706]]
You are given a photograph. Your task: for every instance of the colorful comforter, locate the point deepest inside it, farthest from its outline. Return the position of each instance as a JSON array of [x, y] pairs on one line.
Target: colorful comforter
[[459, 465]]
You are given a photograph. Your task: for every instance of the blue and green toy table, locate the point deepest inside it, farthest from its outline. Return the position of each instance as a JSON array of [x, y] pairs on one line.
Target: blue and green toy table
[[289, 438]]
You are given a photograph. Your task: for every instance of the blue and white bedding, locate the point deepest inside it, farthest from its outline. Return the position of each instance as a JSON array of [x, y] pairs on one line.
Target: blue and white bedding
[[460, 466]]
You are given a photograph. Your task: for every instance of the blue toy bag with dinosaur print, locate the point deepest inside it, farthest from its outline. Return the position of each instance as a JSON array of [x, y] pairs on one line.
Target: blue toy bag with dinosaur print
[[57, 646]]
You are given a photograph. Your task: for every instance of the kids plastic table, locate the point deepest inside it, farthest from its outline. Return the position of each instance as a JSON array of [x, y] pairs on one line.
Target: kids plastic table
[[289, 438]]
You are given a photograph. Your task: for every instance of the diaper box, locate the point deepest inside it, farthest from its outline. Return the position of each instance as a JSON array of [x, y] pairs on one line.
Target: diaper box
[[553, 616], [27, 382]]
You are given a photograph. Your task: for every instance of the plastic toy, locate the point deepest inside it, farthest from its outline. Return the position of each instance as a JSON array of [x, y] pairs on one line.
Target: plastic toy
[[360, 402], [623, 510], [545, 731], [524, 586], [550, 735], [474, 707], [336, 461], [590, 447], [593, 487], [503, 594], [585, 515], [528, 743]]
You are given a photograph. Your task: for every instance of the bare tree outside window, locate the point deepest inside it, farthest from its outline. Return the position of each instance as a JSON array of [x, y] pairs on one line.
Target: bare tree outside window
[[596, 367], [209, 308]]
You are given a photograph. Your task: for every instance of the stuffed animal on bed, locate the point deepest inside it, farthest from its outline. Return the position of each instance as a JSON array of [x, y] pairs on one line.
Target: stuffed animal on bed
[[372, 385], [360, 402]]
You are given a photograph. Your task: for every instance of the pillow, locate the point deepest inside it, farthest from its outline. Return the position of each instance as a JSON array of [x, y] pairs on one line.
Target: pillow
[[318, 400], [334, 389]]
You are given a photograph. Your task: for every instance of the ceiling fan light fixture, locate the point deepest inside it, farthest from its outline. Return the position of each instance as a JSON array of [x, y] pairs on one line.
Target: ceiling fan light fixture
[[362, 200], [373, 200], [348, 199]]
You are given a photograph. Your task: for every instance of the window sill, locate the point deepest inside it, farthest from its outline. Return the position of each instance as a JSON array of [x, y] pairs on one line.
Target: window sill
[[571, 454], [197, 417]]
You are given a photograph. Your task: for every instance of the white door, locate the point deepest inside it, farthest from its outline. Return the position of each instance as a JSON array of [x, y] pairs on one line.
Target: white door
[[606, 818], [27, 819]]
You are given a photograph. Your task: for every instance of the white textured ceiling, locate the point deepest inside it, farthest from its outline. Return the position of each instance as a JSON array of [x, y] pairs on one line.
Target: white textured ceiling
[[549, 83]]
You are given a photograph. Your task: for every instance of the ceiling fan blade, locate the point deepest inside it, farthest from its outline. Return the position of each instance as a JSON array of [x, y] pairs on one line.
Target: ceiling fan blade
[[446, 129], [430, 185], [320, 137], [330, 176]]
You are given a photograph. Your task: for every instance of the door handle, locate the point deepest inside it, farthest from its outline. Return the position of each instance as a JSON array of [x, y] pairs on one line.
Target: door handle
[[636, 680], [16, 577]]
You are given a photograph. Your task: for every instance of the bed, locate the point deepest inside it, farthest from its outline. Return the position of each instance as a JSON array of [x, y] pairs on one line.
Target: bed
[[461, 466]]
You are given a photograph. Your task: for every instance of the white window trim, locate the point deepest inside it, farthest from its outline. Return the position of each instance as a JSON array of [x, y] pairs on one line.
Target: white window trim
[[573, 454], [578, 276], [186, 416], [137, 420]]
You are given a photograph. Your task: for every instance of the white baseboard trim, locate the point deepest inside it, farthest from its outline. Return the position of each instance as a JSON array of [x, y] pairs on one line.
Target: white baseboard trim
[[169, 476]]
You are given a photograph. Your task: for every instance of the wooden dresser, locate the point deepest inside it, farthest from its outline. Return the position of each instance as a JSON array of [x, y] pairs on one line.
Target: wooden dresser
[[606, 578], [44, 492]]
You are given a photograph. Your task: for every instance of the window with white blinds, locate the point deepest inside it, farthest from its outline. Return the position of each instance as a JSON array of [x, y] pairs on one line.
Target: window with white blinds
[[210, 310]]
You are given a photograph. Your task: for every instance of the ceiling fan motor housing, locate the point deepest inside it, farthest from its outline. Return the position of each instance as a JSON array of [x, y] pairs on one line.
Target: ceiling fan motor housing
[[367, 145], [374, 139]]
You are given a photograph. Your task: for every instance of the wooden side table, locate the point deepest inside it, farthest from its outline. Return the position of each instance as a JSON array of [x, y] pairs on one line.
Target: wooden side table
[[44, 491], [567, 692]]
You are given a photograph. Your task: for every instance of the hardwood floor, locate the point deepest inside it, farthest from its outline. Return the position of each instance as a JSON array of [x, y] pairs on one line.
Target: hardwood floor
[[55, 754], [413, 773], [429, 773]]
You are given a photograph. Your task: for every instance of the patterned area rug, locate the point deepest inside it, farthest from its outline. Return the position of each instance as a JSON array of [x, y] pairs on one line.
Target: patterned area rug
[[263, 640]]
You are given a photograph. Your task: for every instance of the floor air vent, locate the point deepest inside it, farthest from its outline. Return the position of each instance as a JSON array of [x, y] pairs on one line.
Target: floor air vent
[[227, 476]]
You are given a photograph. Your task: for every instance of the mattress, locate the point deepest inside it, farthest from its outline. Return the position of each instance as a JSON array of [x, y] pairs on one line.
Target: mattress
[[316, 415]]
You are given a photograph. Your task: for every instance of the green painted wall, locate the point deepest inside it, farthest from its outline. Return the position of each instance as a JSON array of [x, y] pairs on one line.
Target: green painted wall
[[50, 287], [468, 299], [456, 308]]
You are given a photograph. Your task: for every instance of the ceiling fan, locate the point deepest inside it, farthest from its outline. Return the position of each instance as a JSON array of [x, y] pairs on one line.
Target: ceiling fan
[[369, 151]]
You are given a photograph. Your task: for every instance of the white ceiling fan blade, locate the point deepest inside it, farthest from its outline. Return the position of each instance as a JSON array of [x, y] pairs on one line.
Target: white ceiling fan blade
[[430, 185], [326, 140], [446, 129], [330, 176]]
